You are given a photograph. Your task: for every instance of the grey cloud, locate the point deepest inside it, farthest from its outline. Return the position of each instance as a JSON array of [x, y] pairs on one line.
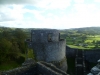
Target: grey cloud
[[18, 1]]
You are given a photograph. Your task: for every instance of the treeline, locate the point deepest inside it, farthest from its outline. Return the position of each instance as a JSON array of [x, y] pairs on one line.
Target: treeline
[[86, 30], [80, 32], [12, 44]]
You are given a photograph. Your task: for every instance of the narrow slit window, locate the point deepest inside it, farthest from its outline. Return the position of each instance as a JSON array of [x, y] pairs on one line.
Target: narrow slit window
[[50, 37]]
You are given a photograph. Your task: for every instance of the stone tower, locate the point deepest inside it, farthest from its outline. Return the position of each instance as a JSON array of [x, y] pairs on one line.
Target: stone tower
[[48, 47]]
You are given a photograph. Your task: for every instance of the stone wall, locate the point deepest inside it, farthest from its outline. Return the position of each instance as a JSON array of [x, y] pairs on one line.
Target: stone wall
[[39, 51], [46, 50], [39, 68], [61, 64], [90, 55], [49, 69], [53, 51], [70, 52], [41, 35], [24, 70]]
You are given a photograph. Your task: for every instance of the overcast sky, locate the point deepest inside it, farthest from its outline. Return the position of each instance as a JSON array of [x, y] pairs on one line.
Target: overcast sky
[[56, 14]]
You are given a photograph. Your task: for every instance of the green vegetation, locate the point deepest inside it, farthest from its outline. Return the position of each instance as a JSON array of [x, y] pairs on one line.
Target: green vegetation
[[9, 65], [31, 54], [13, 48], [82, 38], [77, 47]]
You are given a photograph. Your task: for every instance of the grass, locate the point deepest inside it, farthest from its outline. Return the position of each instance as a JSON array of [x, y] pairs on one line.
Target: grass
[[89, 42], [30, 53], [94, 38], [9, 65], [77, 47], [13, 64]]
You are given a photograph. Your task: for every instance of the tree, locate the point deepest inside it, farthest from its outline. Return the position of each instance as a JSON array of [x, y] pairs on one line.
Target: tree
[[20, 35], [5, 46], [7, 35], [12, 44], [20, 38]]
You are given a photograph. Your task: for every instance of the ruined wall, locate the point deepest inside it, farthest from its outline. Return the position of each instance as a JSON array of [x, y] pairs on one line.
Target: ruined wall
[[49, 51], [24, 70], [55, 51], [41, 35], [35, 69], [70, 52], [52, 51], [49, 69], [39, 51], [90, 55]]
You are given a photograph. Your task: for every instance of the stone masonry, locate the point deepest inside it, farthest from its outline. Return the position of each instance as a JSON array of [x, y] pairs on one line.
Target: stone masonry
[[48, 47]]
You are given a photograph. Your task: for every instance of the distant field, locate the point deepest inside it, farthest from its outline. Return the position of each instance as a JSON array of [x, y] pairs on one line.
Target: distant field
[[91, 39], [78, 47], [94, 38], [78, 40]]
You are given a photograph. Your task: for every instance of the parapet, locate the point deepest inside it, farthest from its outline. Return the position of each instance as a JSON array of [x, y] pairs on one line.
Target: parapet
[[45, 35]]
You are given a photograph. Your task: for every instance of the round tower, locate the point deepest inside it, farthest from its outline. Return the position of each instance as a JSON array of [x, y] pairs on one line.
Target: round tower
[[48, 47]]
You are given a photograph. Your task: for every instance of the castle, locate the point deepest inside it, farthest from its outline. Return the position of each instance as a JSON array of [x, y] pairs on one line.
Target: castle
[[51, 52], [48, 47]]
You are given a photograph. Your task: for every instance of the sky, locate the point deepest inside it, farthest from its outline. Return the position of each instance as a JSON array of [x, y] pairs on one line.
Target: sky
[[54, 14]]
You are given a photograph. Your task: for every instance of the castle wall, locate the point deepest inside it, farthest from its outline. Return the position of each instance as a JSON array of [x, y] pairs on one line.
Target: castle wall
[[42, 35], [70, 52], [48, 46], [24, 70], [35, 69], [55, 51], [48, 69], [90, 55], [39, 51], [52, 51]]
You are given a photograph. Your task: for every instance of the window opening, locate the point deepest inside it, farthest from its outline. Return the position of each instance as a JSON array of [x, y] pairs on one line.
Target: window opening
[[50, 37]]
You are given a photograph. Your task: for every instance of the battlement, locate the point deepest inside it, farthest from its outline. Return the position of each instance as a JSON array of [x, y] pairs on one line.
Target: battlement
[[45, 36], [48, 46]]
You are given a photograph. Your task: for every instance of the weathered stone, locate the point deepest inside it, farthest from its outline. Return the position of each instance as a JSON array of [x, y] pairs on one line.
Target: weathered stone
[[28, 61], [96, 69], [48, 46], [90, 74]]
